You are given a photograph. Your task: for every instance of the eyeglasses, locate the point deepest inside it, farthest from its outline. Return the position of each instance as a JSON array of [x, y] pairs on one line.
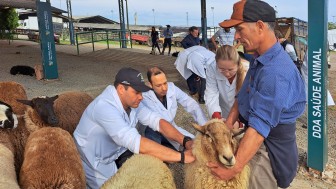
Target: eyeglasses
[[231, 71]]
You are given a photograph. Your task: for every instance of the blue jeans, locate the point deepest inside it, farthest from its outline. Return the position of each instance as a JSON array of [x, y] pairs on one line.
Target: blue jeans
[[157, 137]]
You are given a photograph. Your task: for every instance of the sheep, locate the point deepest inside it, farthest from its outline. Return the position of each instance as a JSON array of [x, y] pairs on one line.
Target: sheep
[[51, 160], [14, 138], [9, 92], [22, 69], [64, 110], [7, 169], [141, 171], [214, 143], [8, 119]]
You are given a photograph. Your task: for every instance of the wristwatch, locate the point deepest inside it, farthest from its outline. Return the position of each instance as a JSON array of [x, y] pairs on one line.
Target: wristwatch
[[185, 140]]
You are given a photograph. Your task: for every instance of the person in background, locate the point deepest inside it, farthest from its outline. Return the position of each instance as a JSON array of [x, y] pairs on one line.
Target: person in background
[[225, 77], [155, 39], [289, 48], [106, 135], [270, 100], [192, 38], [164, 100], [168, 34], [191, 63], [224, 36]]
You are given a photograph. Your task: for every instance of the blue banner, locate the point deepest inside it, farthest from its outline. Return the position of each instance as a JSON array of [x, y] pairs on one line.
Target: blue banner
[[47, 40]]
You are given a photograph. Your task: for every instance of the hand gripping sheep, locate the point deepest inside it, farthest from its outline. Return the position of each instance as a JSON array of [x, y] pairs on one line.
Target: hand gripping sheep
[[214, 143]]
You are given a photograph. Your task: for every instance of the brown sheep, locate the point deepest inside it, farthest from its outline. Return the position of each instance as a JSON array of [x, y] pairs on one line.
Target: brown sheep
[[214, 143], [64, 110], [14, 138], [51, 160], [9, 92]]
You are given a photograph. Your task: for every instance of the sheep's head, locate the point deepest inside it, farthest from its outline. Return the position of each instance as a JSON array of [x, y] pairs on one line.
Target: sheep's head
[[8, 119], [217, 140], [44, 107]]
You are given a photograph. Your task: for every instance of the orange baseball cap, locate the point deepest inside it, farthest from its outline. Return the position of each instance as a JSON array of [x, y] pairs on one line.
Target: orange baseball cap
[[249, 11]]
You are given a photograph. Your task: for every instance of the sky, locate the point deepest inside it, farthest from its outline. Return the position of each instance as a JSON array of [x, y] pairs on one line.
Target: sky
[[182, 12]]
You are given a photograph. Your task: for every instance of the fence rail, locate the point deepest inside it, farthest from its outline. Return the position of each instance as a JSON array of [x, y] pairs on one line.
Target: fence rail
[[97, 36]]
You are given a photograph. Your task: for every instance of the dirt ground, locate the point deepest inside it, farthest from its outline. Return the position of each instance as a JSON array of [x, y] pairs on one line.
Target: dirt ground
[[93, 71]]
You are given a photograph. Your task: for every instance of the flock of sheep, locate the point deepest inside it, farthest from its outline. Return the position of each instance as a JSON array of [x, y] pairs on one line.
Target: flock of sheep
[[38, 150]]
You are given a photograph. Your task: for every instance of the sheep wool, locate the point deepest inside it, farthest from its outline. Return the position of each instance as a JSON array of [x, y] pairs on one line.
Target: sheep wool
[[15, 140], [9, 92], [7, 170], [198, 175], [51, 160], [69, 107], [141, 171]]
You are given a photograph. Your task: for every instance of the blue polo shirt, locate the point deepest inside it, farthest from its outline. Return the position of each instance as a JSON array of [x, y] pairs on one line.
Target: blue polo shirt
[[273, 91]]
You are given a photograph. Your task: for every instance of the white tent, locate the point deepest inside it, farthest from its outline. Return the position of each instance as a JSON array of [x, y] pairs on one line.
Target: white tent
[[332, 39]]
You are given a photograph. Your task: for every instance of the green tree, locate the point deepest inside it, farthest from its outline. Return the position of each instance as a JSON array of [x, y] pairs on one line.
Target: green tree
[[331, 26], [8, 20]]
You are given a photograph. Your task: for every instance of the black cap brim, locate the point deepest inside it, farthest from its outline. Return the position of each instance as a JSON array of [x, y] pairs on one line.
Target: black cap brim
[[141, 88]]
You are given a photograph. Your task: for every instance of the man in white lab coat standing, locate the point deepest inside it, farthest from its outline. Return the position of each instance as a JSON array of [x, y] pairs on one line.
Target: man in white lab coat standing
[[163, 99], [106, 135]]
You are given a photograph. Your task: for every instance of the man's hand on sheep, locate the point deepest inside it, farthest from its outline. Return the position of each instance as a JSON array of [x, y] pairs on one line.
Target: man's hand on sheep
[[189, 144], [221, 172], [188, 156]]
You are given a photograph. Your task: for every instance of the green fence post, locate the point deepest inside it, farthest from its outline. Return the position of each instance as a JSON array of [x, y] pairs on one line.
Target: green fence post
[[77, 43], [107, 40], [92, 41], [317, 78]]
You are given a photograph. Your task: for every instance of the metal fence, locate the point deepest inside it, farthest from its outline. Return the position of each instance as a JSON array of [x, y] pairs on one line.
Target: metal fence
[[98, 36]]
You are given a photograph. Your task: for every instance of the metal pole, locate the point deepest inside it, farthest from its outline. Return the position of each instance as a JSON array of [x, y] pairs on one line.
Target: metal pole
[[127, 15], [187, 20], [71, 28], [213, 16], [153, 16], [122, 24], [112, 15], [204, 23]]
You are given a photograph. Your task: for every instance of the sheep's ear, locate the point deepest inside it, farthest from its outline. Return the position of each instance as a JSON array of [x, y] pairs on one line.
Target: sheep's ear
[[198, 127], [54, 97], [26, 102]]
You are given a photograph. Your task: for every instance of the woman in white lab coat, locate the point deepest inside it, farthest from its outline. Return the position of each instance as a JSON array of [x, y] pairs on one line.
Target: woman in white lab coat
[[224, 79]]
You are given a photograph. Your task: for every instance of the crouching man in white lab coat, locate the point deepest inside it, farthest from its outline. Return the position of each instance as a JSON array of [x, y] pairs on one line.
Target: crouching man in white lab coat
[[163, 99], [106, 134]]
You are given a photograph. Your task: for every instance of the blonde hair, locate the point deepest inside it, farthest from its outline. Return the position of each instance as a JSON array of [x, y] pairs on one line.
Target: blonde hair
[[227, 52]]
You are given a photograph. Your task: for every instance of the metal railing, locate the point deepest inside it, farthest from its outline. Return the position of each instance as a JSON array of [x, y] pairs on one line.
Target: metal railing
[[98, 36]]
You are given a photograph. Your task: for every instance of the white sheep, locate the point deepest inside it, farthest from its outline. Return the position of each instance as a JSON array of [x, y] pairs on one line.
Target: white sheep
[[51, 160], [214, 143], [141, 171], [7, 169], [64, 110], [9, 92]]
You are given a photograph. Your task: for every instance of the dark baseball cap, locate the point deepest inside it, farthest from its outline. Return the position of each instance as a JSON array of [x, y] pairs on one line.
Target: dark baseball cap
[[133, 78], [249, 11], [168, 25]]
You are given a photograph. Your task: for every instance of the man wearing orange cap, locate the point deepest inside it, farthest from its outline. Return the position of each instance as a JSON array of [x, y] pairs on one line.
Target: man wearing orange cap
[[269, 102]]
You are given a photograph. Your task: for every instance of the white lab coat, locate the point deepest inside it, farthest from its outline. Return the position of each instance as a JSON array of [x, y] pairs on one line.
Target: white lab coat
[[219, 93], [194, 59], [174, 96], [105, 131]]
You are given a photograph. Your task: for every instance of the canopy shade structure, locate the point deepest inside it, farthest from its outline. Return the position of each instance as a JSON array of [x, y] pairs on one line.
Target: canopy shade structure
[[25, 4]]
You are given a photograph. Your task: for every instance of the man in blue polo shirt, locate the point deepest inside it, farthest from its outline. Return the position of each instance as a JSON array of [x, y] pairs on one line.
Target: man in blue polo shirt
[[271, 99]]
